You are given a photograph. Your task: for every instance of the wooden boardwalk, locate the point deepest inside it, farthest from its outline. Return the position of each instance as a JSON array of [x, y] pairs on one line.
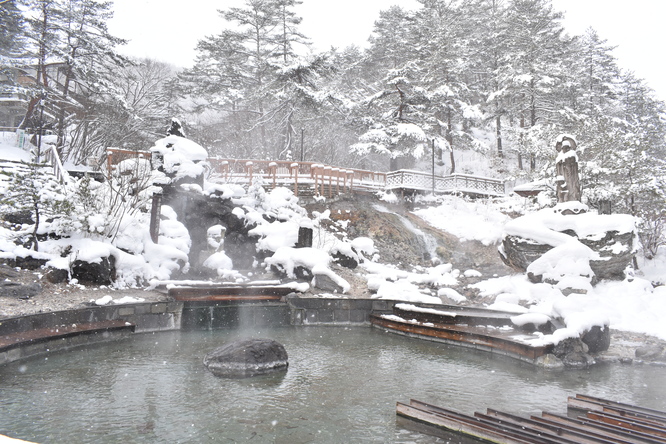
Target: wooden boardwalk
[[602, 421], [316, 179]]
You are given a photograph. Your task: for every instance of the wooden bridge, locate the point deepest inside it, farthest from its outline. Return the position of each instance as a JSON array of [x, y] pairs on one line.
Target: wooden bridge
[[316, 179]]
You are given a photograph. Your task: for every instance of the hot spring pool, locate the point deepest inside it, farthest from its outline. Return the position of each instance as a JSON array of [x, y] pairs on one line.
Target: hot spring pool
[[341, 386]]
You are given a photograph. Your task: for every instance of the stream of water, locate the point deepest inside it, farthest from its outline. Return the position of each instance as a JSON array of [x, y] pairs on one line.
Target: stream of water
[[341, 386]]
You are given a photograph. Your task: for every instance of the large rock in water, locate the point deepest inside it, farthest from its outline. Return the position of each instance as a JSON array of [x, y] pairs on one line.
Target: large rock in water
[[247, 357]]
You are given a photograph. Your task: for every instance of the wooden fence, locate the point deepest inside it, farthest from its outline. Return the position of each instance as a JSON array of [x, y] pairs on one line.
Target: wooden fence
[[311, 178]]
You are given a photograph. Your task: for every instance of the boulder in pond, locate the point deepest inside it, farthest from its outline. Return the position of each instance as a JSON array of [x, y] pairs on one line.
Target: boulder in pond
[[246, 358]]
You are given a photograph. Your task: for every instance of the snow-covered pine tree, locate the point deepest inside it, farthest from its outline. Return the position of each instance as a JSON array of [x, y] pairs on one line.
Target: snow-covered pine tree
[[537, 48], [235, 73], [12, 30], [33, 190]]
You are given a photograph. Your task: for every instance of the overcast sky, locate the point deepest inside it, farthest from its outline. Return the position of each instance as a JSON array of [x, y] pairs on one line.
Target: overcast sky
[[167, 30]]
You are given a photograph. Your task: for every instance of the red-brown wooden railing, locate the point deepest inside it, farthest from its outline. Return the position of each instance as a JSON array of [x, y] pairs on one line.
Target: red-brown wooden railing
[[329, 180]]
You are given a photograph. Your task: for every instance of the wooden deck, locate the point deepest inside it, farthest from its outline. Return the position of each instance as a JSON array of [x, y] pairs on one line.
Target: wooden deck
[[229, 293], [629, 424], [486, 330]]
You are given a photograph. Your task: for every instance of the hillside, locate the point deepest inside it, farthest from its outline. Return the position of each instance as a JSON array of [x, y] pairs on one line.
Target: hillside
[[433, 250]]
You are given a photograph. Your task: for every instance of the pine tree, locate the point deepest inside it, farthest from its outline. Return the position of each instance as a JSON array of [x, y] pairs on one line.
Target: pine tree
[[238, 73], [12, 37], [537, 48]]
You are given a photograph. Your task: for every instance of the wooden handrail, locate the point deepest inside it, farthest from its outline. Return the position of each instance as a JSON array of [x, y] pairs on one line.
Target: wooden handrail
[[338, 180], [59, 171]]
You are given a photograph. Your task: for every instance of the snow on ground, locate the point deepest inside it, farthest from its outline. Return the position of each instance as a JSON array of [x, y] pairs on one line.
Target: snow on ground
[[632, 305], [467, 220]]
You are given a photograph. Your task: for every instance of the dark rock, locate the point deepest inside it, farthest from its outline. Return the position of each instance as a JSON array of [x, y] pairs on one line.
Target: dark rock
[[549, 361], [344, 260], [649, 352], [19, 290], [303, 273], [518, 253], [247, 357], [56, 275], [613, 260], [569, 345], [102, 272], [574, 353], [19, 218], [7, 272], [578, 360], [324, 282], [304, 237], [597, 338], [199, 212], [29, 263]]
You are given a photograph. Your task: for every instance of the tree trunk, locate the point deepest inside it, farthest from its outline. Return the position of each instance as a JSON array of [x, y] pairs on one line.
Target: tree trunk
[[520, 144], [498, 135], [449, 139]]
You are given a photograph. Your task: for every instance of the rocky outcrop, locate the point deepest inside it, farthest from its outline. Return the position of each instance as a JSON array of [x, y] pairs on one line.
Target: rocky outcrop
[[199, 212], [246, 358], [102, 272], [573, 352], [609, 241]]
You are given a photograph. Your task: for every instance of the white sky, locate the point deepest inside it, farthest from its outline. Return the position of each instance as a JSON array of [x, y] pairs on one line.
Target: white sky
[[167, 30]]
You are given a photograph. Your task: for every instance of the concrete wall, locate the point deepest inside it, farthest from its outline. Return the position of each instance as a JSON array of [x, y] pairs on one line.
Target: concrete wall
[[165, 316]]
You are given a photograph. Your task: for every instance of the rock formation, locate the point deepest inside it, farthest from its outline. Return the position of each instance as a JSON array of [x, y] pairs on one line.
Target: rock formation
[[247, 357]]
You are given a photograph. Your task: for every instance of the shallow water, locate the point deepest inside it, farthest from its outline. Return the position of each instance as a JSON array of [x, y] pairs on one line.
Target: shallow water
[[341, 386]]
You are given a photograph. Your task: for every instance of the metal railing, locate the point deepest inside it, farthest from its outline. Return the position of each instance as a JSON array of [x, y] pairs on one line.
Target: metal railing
[[463, 183]]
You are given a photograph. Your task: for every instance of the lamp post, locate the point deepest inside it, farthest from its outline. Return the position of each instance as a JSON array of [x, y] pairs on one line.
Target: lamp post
[[302, 152], [433, 167]]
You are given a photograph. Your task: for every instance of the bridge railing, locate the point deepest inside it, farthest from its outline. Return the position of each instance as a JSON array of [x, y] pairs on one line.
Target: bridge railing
[[464, 183], [326, 180]]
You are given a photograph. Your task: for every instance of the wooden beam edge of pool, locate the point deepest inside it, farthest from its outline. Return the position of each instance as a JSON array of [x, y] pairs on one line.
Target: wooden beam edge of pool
[[592, 427]]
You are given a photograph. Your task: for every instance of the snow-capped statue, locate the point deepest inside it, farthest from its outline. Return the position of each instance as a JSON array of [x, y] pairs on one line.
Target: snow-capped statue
[[566, 166]]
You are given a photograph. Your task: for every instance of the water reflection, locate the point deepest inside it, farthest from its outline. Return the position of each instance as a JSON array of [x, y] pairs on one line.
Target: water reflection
[[341, 386]]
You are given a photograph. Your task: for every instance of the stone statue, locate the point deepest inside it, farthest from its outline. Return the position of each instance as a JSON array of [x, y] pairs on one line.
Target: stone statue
[[566, 166]]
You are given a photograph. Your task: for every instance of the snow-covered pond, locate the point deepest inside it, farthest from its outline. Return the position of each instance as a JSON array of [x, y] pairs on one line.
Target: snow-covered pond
[[341, 386]]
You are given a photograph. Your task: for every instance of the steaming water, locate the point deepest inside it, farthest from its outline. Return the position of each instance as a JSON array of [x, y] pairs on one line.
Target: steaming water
[[427, 242], [341, 386]]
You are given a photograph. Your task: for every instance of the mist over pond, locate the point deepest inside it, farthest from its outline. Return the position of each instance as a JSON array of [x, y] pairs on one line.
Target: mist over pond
[[341, 386]]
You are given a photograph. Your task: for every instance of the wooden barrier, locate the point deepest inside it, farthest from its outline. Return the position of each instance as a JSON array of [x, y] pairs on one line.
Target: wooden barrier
[[326, 180]]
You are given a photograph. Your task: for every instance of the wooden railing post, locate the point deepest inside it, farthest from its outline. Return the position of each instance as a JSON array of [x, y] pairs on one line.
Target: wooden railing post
[[249, 167], [293, 172], [272, 169]]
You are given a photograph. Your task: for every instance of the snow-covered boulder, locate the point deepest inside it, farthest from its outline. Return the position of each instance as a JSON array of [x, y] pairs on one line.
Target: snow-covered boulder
[[552, 243], [182, 160]]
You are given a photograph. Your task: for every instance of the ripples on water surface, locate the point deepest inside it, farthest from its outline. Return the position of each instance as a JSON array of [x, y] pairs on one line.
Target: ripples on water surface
[[341, 386]]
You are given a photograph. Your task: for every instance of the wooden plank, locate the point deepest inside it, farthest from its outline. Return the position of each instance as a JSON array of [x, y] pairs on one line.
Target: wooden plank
[[457, 423], [18, 339], [505, 428], [463, 335], [529, 433], [557, 430], [626, 423], [616, 433], [585, 402]]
